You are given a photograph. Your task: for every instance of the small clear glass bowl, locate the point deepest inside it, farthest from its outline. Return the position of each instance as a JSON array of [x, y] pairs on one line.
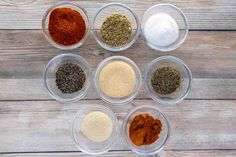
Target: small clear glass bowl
[[181, 92], [45, 22], [123, 100], [158, 145], [107, 11], [49, 77], [86, 145], [176, 14]]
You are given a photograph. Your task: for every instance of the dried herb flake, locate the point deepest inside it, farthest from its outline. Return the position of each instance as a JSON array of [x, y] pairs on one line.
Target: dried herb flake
[[166, 80], [116, 30]]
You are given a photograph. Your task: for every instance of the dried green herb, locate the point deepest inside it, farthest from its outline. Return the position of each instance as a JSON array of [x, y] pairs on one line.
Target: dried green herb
[[116, 30], [166, 80], [70, 78]]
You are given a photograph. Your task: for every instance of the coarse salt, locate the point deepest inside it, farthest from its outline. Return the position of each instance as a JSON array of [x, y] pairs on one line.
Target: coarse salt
[[161, 30]]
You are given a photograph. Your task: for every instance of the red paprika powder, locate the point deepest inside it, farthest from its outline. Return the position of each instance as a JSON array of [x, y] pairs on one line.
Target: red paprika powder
[[66, 26], [144, 129]]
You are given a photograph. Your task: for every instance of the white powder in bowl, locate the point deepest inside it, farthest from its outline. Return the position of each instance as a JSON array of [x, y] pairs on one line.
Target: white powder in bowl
[[161, 30], [97, 126]]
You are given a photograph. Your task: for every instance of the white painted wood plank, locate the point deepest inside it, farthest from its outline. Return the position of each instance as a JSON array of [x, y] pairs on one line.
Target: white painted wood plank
[[205, 14], [168, 153], [33, 89], [39, 126], [207, 54], [24, 59]]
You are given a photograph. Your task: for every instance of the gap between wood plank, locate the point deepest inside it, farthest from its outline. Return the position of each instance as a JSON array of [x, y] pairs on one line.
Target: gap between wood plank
[[166, 150], [190, 30], [45, 100]]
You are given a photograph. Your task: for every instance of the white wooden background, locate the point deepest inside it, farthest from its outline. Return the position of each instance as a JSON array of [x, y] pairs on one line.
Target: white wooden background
[[32, 124]]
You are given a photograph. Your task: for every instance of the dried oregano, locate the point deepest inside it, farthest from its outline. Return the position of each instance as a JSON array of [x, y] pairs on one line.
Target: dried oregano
[[166, 80], [116, 30]]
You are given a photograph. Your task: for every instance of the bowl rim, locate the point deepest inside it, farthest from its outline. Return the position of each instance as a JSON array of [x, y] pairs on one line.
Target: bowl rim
[[138, 80], [85, 17], [176, 61], [105, 110], [120, 48], [126, 137], [88, 75], [166, 48]]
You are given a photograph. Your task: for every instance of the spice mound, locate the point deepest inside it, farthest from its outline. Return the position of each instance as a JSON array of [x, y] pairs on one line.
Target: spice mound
[[144, 129], [66, 26], [116, 30], [70, 78], [166, 80], [117, 79], [97, 126], [161, 29]]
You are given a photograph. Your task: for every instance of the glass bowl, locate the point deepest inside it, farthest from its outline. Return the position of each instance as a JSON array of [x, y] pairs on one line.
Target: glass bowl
[[45, 22], [179, 94], [123, 100], [50, 77], [105, 12], [86, 145], [176, 14], [158, 145]]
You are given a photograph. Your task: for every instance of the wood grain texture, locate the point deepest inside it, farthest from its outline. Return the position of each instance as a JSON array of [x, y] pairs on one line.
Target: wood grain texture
[[34, 125], [204, 14], [23, 60], [167, 153], [33, 89], [24, 54], [41, 126]]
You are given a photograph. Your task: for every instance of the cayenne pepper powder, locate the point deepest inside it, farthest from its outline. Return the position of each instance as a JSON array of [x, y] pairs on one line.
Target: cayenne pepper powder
[[144, 129], [66, 26]]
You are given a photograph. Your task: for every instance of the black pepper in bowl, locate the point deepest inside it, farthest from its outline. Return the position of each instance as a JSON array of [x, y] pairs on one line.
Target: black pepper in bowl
[[70, 78]]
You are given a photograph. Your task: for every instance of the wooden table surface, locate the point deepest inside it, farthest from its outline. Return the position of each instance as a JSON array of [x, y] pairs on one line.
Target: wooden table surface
[[204, 124]]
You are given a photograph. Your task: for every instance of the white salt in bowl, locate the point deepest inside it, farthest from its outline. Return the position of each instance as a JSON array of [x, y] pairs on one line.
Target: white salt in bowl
[[175, 14], [82, 142]]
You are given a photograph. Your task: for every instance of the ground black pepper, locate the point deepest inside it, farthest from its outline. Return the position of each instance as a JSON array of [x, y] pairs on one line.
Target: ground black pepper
[[70, 78]]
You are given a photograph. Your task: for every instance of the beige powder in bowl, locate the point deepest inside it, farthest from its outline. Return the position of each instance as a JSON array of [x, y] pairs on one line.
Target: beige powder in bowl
[[117, 79], [97, 126]]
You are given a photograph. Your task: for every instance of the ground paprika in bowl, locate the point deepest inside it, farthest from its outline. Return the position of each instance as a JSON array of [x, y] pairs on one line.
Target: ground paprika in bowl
[[146, 130], [65, 25]]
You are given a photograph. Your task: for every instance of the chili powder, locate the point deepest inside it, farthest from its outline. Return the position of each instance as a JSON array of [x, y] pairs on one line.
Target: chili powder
[[66, 26], [144, 129]]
